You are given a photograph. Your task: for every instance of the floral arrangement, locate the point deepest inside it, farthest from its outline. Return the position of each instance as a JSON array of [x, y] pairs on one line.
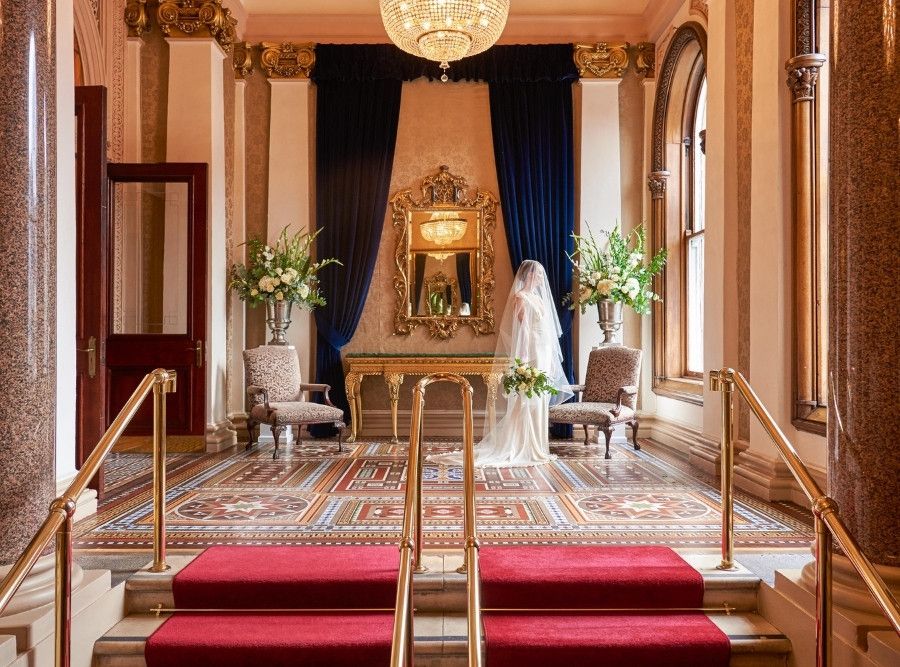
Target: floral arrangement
[[526, 379], [281, 272], [615, 270]]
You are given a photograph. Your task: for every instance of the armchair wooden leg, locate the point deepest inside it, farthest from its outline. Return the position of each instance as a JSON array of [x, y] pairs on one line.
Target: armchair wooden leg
[[251, 440], [607, 433], [587, 435], [634, 433], [341, 427], [276, 434]]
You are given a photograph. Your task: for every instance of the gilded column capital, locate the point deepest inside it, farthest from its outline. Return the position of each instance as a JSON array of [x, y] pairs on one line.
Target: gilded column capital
[[603, 60], [198, 18], [136, 18], [657, 181], [287, 60], [242, 60], [803, 74], [645, 59]]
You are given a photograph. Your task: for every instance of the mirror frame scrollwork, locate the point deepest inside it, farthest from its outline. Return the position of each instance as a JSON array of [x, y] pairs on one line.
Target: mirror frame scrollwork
[[445, 191]]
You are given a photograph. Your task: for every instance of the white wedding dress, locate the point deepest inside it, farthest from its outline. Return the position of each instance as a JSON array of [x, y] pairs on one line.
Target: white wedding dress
[[530, 331]]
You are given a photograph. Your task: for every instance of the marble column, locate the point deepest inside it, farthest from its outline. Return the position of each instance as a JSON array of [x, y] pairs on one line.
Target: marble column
[[864, 327], [28, 270]]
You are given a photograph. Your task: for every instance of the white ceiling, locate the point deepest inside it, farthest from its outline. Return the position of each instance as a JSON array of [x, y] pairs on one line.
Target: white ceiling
[[517, 7]]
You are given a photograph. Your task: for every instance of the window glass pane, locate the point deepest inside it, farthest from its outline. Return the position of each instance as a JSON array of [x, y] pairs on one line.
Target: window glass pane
[[150, 264], [698, 215], [694, 293]]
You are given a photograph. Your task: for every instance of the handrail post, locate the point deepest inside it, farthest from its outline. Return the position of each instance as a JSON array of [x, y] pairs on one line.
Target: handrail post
[[723, 381], [163, 384], [821, 507], [63, 611], [470, 561], [416, 441]]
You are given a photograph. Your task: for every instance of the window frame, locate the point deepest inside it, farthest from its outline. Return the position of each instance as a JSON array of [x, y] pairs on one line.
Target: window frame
[[682, 72]]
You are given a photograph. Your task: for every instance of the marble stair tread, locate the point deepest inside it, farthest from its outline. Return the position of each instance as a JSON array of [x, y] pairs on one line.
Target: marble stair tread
[[7, 650], [442, 589], [123, 644]]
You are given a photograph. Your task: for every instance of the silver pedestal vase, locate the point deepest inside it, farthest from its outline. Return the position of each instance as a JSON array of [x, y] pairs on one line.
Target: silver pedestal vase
[[610, 320], [278, 317]]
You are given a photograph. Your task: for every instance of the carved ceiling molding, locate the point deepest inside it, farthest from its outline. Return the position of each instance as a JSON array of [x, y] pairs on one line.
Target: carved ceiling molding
[[242, 59], [136, 18], [287, 60], [198, 18]]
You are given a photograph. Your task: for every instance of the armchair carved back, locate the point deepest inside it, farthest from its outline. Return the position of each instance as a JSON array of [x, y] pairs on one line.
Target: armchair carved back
[[275, 368], [609, 368]]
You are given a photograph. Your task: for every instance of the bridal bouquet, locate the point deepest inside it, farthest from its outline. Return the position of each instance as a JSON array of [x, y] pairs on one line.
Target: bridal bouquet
[[280, 272], [526, 379], [615, 271]]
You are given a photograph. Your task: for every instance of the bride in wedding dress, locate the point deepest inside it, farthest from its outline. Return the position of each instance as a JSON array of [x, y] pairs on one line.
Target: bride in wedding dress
[[530, 331]]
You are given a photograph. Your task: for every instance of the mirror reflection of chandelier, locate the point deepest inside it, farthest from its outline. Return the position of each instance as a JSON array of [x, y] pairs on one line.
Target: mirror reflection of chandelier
[[444, 30], [443, 227]]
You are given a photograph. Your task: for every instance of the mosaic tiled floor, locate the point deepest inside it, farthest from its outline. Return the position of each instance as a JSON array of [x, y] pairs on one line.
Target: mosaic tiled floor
[[315, 495]]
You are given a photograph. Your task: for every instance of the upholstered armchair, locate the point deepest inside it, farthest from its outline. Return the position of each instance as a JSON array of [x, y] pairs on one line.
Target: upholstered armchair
[[608, 395], [279, 398]]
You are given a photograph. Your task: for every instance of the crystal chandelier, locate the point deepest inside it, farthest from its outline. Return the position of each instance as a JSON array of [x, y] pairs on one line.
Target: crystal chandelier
[[444, 30], [443, 228]]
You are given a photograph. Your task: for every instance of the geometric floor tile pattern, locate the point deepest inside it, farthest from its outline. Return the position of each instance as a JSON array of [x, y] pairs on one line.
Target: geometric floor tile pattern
[[315, 495]]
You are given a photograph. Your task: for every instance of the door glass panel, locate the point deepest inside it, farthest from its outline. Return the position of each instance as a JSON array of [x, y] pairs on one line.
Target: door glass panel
[[150, 259], [695, 304]]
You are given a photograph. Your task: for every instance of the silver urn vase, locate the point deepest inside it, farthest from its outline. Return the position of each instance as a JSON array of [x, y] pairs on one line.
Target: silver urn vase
[[610, 314], [278, 317]]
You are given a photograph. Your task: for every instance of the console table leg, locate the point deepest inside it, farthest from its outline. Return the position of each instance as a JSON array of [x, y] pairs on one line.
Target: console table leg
[[394, 380], [352, 383]]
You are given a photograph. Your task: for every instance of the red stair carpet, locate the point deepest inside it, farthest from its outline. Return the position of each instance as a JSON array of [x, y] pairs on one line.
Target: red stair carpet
[[275, 578], [640, 578]]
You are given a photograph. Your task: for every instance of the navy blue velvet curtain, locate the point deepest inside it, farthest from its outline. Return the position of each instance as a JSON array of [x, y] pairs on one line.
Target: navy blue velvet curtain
[[356, 130], [532, 126]]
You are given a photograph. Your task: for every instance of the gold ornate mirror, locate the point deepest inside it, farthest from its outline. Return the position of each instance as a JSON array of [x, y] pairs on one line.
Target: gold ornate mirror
[[445, 257]]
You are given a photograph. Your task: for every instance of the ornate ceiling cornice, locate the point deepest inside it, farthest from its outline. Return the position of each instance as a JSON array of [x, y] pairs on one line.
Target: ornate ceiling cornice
[[287, 60], [198, 18]]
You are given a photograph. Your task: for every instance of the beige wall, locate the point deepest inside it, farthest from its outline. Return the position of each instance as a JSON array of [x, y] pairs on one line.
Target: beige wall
[[440, 123]]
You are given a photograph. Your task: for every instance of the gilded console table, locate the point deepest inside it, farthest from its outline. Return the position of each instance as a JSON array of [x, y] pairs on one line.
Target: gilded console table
[[394, 367]]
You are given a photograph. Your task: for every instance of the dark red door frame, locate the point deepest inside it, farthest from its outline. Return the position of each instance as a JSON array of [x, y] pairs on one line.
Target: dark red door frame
[[92, 237], [130, 356]]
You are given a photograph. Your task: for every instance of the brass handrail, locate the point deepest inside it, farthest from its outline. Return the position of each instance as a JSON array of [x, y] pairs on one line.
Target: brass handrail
[[828, 522], [59, 519], [411, 539]]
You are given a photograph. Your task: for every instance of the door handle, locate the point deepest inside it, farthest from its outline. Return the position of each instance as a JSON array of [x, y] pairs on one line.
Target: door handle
[[198, 351], [91, 349]]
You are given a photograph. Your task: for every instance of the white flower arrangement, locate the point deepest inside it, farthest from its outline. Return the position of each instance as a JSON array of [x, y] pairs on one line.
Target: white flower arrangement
[[615, 271], [280, 272], [525, 379]]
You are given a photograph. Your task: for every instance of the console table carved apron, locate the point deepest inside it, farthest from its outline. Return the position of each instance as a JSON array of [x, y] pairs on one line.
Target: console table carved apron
[[395, 367]]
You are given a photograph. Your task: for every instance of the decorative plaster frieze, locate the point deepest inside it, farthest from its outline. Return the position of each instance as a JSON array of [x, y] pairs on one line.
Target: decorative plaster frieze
[[198, 18], [287, 60]]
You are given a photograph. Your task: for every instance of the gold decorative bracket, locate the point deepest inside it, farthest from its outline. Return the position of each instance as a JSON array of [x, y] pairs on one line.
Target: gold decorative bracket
[[242, 60], [645, 59], [198, 18], [136, 18], [287, 60], [603, 60]]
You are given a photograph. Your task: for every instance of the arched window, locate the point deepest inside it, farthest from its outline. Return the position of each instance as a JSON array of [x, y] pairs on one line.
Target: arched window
[[678, 189]]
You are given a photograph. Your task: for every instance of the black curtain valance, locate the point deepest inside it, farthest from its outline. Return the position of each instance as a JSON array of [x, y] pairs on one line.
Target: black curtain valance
[[512, 63]]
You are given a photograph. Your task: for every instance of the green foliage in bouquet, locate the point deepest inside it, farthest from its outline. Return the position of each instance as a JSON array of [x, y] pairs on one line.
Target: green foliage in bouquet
[[528, 380], [615, 270], [282, 272]]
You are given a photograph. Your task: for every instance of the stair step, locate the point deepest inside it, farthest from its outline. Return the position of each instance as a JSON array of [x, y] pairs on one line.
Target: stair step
[[442, 589], [124, 644]]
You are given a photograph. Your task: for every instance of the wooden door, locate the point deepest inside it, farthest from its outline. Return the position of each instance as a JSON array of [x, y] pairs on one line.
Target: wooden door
[[91, 267], [157, 301]]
